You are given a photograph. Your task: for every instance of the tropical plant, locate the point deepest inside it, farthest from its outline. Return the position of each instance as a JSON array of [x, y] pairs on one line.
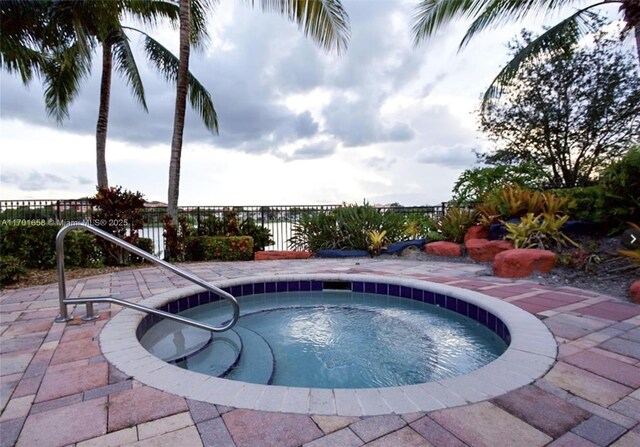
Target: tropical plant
[[620, 185], [119, 212], [581, 259], [346, 227], [455, 223], [511, 202], [57, 39], [473, 184], [314, 231], [377, 241], [413, 229], [543, 231], [432, 15], [571, 113], [324, 21], [229, 225], [11, 270], [221, 248]]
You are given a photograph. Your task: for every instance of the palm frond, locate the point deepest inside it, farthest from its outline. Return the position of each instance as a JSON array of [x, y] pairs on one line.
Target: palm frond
[[199, 36], [151, 12], [63, 73], [431, 15], [324, 21], [126, 64], [497, 12], [167, 64], [562, 35], [201, 101]]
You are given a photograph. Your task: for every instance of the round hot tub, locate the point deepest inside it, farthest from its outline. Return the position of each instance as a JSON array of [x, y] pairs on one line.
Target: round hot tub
[[334, 344]]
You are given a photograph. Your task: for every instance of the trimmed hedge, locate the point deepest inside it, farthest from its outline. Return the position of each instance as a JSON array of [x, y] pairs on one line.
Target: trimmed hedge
[[219, 248], [34, 245]]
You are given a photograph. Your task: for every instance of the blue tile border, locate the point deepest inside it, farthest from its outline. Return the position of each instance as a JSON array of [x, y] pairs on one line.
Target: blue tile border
[[456, 305]]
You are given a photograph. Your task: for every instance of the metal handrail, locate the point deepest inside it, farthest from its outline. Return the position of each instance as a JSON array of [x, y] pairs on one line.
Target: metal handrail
[[62, 287]]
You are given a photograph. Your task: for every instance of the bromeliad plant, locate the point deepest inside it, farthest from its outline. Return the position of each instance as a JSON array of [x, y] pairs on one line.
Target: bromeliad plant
[[539, 231], [511, 202], [453, 225], [377, 241]]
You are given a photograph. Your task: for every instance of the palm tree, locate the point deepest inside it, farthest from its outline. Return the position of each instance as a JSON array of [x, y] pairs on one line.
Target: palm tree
[[324, 21], [56, 41], [431, 15]]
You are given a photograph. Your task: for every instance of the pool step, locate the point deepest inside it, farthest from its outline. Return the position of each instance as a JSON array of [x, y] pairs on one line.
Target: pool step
[[256, 363], [172, 341], [218, 357]]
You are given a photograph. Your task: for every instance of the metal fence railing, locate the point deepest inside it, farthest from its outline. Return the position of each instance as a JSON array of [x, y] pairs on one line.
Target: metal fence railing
[[279, 219]]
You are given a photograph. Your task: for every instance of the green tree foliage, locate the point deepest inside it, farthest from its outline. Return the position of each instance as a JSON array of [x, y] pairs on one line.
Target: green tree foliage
[[473, 184], [118, 212], [621, 188], [571, 113], [432, 15], [56, 40], [324, 21]]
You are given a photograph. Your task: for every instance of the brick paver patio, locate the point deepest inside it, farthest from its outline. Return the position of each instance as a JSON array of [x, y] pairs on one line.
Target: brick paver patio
[[58, 390]]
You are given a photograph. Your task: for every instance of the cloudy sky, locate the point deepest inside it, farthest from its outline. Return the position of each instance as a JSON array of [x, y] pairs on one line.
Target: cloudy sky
[[385, 121]]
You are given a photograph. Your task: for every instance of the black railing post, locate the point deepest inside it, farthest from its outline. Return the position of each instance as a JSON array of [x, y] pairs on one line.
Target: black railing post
[[58, 211]]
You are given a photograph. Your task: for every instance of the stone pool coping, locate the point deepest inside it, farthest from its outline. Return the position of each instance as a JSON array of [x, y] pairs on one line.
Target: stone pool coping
[[530, 355]]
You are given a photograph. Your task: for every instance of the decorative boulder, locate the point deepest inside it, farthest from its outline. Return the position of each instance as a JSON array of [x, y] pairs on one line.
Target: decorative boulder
[[476, 232], [634, 291], [443, 248], [483, 250], [270, 255], [522, 262]]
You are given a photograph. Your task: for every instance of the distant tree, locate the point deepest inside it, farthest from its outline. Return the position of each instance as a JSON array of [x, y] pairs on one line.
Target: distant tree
[[571, 113]]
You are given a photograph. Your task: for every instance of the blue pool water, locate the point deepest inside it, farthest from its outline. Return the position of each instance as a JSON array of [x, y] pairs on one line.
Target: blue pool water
[[329, 339]]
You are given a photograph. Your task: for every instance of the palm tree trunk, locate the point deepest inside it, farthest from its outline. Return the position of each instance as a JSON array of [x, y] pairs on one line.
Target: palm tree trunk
[[181, 104], [103, 116], [637, 33]]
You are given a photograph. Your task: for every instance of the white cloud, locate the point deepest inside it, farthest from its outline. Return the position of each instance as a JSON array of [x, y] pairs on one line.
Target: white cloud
[[296, 124]]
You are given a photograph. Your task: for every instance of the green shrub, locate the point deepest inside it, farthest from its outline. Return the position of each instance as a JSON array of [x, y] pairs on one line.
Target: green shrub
[[345, 228], [118, 212], [145, 244], [34, 246], [453, 225], [11, 269], [474, 184], [541, 231], [219, 248], [230, 226], [586, 203], [314, 231], [621, 185]]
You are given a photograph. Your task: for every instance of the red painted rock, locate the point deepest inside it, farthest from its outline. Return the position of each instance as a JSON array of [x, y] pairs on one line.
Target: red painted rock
[[522, 262], [483, 250], [476, 232], [443, 248], [634, 291], [270, 255]]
